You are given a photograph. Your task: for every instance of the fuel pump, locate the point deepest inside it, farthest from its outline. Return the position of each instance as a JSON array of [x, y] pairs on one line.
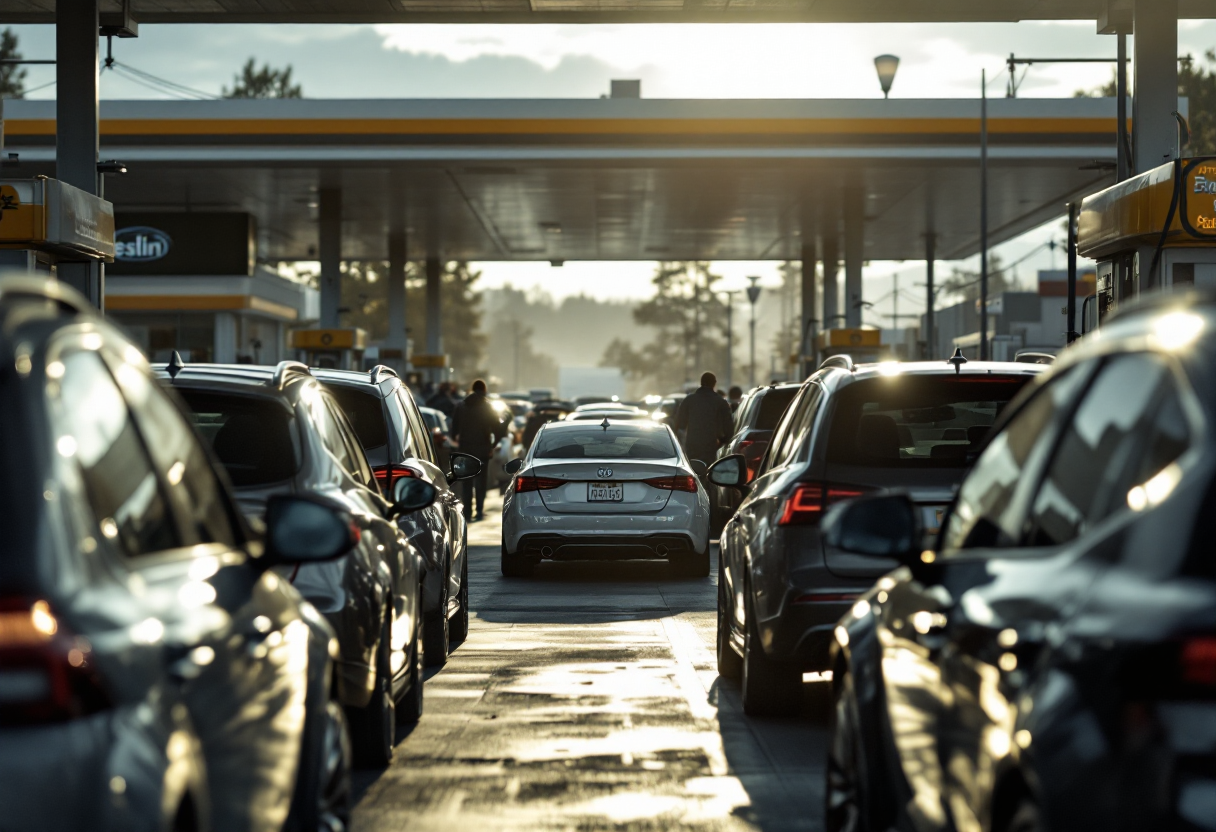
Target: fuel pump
[[1155, 231], [44, 222], [332, 349]]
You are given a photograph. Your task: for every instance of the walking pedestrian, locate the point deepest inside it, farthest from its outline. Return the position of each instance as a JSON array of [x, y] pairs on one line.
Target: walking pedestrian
[[476, 429], [705, 419], [736, 398], [443, 400]]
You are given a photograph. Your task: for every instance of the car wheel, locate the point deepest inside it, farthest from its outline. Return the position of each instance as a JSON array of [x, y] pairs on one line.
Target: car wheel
[[435, 628], [770, 688], [410, 709], [322, 801], [459, 630], [374, 728], [730, 663], [844, 795], [1025, 818], [516, 566]]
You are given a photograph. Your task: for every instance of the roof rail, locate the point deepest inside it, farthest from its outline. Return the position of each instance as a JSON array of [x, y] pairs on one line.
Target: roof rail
[[380, 371], [42, 288], [843, 362], [287, 368]]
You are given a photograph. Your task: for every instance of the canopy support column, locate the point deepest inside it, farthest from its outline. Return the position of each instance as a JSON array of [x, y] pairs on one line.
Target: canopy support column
[[831, 281], [806, 344], [434, 315], [854, 253], [398, 338], [1155, 86], [330, 251], [76, 115], [930, 299]]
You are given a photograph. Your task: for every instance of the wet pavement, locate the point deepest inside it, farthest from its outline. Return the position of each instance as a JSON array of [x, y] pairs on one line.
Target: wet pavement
[[586, 697]]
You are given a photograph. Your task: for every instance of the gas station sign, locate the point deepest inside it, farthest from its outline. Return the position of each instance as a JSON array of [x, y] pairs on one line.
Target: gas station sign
[[52, 216]]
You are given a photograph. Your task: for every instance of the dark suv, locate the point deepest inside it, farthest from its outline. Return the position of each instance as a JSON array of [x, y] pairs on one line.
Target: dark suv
[[398, 444], [155, 671], [276, 430], [850, 430], [1050, 661], [755, 420]]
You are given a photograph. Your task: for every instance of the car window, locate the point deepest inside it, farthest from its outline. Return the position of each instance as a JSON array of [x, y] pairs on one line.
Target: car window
[[914, 421], [617, 442], [94, 427], [775, 448], [420, 438], [180, 460], [772, 406], [797, 423], [359, 466], [364, 411], [1129, 426], [254, 438], [986, 512], [328, 427], [744, 410]]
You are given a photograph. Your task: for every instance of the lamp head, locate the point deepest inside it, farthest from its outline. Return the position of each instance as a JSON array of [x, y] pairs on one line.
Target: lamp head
[[886, 66]]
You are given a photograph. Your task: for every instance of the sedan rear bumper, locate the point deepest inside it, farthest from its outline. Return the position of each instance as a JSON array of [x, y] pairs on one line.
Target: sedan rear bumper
[[606, 546]]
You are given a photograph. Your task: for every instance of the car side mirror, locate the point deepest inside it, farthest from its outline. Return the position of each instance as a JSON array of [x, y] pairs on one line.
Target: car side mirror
[[513, 466], [411, 494], [464, 466], [301, 529], [883, 526], [699, 467], [729, 472]]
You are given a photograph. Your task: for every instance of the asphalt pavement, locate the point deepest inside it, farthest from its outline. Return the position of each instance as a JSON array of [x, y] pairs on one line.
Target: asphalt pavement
[[586, 697]]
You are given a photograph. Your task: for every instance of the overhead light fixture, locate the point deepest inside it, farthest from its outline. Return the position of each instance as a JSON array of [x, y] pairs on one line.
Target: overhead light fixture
[[886, 65]]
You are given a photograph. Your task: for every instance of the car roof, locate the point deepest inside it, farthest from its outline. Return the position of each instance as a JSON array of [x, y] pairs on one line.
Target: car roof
[[356, 378], [973, 369], [276, 382], [585, 423]]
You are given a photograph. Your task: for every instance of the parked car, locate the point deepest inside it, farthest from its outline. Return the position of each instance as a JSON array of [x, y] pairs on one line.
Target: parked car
[[543, 413], [398, 444], [620, 414], [1050, 663], [755, 419], [851, 430], [156, 673], [277, 431], [620, 491], [436, 421]]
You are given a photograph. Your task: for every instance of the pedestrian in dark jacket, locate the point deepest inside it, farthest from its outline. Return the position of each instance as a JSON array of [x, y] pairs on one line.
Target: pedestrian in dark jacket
[[476, 429], [443, 400], [705, 418]]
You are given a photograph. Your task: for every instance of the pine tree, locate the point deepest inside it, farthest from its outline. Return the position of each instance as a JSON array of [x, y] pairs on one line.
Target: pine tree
[[12, 76], [252, 82]]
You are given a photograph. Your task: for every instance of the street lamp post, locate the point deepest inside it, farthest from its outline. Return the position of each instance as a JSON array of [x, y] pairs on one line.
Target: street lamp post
[[886, 66], [730, 338], [753, 295]]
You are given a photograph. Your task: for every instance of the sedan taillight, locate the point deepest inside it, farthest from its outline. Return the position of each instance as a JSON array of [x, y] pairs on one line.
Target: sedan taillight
[[1199, 661], [525, 484], [688, 484], [46, 673], [805, 506]]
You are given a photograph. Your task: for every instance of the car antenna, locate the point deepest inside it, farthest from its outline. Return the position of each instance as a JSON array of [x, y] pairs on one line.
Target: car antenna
[[176, 365], [604, 424], [958, 360]]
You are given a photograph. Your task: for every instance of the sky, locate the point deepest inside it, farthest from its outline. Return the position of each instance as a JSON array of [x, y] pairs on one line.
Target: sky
[[671, 60]]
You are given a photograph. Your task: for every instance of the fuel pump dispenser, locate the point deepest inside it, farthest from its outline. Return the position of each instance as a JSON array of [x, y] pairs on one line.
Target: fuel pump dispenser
[[1155, 231], [332, 349], [44, 222]]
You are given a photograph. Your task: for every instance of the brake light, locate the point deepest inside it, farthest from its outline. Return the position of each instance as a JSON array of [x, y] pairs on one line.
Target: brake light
[[688, 484], [387, 476], [1199, 661], [526, 484], [45, 671], [806, 505]]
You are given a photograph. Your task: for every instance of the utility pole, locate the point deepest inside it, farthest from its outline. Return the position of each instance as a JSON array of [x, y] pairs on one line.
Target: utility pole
[[753, 295], [515, 321], [730, 338], [983, 215]]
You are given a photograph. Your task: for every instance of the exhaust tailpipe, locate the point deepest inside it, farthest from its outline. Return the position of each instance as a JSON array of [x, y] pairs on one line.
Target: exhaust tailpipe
[[546, 551], [661, 550]]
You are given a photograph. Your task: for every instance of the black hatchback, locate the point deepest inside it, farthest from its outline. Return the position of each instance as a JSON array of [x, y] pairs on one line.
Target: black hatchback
[[1050, 662]]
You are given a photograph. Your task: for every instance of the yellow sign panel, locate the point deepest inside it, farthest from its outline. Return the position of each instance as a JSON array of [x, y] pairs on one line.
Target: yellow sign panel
[[849, 338], [49, 215], [329, 339], [429, 361], [21, 219]]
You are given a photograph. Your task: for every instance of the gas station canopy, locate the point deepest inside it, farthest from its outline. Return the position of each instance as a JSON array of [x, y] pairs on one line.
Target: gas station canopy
[[611, 179], [591, 11]]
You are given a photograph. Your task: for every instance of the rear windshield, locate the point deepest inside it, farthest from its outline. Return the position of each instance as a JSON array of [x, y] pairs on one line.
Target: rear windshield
[[616, 442], [917, 421], [366, 414], [254, 438], [772, 405]]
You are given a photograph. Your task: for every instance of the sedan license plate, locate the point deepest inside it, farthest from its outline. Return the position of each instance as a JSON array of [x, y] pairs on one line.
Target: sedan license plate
[[605, 492]]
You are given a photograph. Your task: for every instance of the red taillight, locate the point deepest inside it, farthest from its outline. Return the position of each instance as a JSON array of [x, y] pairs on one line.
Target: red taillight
[[525, 484], [688, 484], [1199, 661], [387, 476], [45, 671], [806, 505]]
